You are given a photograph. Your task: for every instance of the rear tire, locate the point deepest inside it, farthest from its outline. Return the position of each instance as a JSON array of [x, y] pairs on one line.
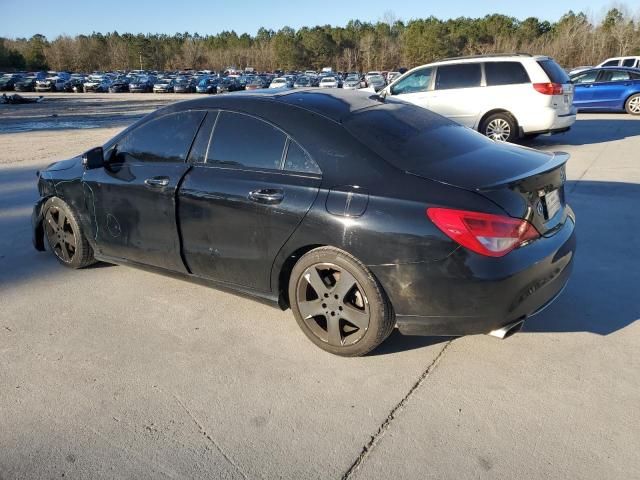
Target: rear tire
[[632, 105], [501, 127], [65, 236], [338, 303]]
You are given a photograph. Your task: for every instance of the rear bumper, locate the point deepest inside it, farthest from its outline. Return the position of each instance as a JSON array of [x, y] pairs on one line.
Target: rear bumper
[[549, 121], [469, 294]]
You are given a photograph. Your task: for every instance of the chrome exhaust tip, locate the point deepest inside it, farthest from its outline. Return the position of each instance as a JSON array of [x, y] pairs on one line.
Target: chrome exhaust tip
[[507, 330]]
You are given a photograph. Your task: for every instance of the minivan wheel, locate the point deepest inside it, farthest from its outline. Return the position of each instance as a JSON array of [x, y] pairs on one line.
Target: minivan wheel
[[632, 105], [501, 127], [65, 236], [338, 303]]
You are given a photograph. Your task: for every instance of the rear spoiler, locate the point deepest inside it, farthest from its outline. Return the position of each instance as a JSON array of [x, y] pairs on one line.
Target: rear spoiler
[[557, 160]]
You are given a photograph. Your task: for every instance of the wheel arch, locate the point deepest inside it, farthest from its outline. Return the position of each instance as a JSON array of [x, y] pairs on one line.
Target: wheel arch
[[284, 272]]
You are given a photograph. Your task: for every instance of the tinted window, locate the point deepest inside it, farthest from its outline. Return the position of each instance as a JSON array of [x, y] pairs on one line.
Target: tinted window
[[299, 161], [629, 62], [463, 75], [554, 71], [635, 76], [164, 139], [611, 63], [616, 76], [243, 140], [418, 81], [587, 77], [505, 73]]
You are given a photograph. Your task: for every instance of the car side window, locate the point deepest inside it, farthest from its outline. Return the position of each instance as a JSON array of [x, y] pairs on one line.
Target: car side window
[[243, 140], [587, 77], [164, 139], [505, 73], [635, 76], [462, 75], [611, 63], [613, 76], [417, 81], [629, 62], [298, 160]]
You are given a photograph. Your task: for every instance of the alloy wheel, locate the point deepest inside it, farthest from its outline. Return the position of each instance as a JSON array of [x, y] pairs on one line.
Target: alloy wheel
[[498, 129], [634, 105], [332, 304], [62, 238]]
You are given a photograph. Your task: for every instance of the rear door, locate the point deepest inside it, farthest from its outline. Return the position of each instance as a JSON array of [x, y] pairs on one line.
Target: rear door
[[133, 197], [610, 89], [458, 93], [249, 188]]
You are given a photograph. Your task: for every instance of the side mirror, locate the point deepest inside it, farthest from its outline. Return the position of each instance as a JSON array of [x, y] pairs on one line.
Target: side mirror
[[93, 158]]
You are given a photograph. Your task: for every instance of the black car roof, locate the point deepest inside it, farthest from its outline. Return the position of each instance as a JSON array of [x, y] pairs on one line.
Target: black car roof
[[335, 105]]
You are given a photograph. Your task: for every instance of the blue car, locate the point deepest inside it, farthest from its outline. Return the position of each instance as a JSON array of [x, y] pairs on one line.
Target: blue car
[[614, 89]]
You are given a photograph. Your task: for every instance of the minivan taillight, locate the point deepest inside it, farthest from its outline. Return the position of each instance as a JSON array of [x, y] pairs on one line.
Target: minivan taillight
[[483, 233], [548, 88]]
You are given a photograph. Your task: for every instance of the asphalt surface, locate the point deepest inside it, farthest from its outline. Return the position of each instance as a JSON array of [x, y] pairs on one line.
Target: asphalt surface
[[111, 372]]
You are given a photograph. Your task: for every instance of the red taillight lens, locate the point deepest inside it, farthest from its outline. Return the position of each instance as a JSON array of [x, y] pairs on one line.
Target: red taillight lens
[[548, 88], [483, 233]]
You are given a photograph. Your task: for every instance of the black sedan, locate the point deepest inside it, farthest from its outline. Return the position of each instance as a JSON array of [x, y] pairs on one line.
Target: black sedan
[[119, 85], [26, 84], [357, 212], [228, 85]]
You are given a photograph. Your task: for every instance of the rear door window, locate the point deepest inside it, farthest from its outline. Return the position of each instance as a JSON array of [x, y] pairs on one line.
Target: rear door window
[[299, 161], [613, 76], [554, 71], [505, 73], [462, 75], [247, 141], [629, 62]]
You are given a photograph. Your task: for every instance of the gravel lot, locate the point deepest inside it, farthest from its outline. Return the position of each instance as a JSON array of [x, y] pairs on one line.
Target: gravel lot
[[112, 372]]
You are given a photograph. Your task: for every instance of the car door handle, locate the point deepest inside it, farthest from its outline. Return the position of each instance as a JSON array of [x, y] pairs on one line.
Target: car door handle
[[269, 196], [157, 181]]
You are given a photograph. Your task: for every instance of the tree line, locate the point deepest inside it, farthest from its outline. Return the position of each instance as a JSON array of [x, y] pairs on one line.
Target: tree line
[[359, 46]]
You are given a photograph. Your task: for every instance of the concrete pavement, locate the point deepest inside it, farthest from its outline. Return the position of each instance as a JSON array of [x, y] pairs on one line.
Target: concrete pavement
[[111, 372]]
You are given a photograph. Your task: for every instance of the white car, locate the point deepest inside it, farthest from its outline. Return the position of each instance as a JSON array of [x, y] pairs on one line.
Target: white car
[[281, 82], [631, 62], [53, 83], [504, 97], [329, 82]]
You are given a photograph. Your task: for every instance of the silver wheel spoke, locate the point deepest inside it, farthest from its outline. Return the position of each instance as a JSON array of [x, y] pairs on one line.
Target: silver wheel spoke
[[333, 331], [360, 318], [313, 278], [310, 308], [344, 285]]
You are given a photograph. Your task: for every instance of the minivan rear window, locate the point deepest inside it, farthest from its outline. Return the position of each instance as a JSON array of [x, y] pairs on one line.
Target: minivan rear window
[[554, 71]]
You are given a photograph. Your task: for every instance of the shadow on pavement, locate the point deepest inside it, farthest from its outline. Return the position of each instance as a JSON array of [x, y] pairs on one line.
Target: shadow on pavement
[[587, 131]]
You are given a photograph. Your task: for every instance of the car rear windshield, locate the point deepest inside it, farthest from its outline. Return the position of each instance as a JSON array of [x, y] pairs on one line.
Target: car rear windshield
[[411, 138], [554, 71]]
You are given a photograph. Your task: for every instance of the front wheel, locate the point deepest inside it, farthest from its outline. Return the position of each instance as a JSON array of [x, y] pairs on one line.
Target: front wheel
[[501, 127], [632, 105], [65, 236], [338, 303]]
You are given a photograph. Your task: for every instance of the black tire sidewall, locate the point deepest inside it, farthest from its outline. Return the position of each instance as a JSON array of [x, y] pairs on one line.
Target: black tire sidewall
[[381, 320]]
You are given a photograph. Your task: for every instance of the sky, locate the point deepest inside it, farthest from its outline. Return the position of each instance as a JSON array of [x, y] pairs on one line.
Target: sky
[[247, 16]]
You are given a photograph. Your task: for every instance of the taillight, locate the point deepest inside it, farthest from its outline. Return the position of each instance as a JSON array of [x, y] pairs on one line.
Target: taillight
[[483, 233], [548, 88]]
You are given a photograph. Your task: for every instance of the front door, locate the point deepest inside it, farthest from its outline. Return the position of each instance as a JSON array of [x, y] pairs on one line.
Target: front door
[[240, 203], [133, 198]]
